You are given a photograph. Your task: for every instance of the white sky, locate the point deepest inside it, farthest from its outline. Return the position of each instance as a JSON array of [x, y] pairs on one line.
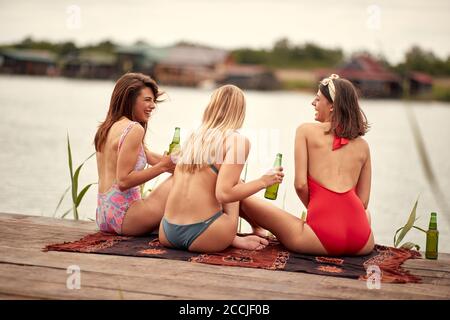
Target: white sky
[[389, 27]]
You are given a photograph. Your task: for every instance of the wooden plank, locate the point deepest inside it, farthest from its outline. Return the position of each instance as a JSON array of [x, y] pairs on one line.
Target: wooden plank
[[35, 289], [47, 221], [5, 296], [229, 279], [24, 236], [172, 288]]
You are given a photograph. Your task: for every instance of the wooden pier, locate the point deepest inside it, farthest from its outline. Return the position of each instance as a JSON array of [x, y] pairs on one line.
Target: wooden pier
[[28, 273]]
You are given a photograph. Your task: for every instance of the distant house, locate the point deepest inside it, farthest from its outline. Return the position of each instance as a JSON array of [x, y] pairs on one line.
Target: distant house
[[30, 62], [253, 77], [140, 57], [419, 83], [371, 78], [90, 65], [191, 65]]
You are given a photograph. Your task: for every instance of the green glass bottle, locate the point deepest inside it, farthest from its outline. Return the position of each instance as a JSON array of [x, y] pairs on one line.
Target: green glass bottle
[[175, 145], [432, 238], [272, 191]]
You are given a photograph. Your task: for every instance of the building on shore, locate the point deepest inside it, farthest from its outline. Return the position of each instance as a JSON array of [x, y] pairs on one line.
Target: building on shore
[[369, 76], [419, 83], [253, 77], [191, 65], [30, 62], [140, 57], [90, 65]]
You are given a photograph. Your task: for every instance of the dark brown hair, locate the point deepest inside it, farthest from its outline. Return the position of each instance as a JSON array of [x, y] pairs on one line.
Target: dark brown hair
[[347, 119], [123, 98]]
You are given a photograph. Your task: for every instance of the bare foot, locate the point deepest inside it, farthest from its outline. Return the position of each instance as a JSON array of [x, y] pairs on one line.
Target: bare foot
[[260, 231], [251, 242]]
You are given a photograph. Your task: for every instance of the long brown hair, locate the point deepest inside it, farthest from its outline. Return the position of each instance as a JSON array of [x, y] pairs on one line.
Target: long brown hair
[[347, 119], [123, 98]]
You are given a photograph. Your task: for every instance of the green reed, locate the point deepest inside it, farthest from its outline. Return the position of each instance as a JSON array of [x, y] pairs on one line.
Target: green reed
[[76, 197], [406, 228]]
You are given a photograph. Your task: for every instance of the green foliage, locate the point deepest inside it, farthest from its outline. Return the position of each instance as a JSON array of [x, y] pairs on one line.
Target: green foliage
[[441, 93], [76, 197], [406, 228], [286, 55], [283, 54], [418, 59], [298, 85], [65, 48]]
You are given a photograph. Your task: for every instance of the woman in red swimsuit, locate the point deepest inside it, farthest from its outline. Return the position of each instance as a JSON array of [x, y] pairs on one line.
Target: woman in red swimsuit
[[332, 179]]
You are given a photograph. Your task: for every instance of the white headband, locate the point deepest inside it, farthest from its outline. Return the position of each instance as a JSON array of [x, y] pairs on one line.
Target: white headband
[[329, 82]]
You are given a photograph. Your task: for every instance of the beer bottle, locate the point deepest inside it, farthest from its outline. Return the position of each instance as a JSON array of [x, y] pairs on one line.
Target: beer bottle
[[175, 145], [432, 238], [272, 191]]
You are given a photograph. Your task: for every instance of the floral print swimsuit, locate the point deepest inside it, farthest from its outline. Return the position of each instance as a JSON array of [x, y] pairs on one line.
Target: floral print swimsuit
[[113, 204]]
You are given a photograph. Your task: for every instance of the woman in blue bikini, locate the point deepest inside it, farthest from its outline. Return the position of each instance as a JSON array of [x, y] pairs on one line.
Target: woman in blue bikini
[[202, 208]]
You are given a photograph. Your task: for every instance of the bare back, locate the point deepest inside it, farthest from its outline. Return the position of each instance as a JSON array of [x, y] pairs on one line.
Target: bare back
[[339, 169], [107, 159], [193, 196]]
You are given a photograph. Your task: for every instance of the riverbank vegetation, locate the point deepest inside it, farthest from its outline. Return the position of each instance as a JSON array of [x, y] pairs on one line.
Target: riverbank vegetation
[[294, 63]]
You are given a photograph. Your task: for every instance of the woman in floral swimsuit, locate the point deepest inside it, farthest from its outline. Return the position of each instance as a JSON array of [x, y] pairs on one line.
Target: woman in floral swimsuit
[[122, 158]]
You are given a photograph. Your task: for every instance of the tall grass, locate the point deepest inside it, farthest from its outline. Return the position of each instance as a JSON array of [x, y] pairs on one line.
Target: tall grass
[[73, 187]]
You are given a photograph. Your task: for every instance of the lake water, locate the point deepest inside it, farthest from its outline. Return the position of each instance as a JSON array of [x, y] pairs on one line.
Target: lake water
[[36, 114]]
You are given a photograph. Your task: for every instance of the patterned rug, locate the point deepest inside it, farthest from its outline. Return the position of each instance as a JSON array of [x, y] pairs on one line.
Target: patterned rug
[[388, 260]]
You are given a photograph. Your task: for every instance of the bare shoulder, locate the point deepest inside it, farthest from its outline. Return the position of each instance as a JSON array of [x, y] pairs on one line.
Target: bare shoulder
[[362, 145], [237, 138], [307, 126], [136, 133], [137, 129], [362, 142]]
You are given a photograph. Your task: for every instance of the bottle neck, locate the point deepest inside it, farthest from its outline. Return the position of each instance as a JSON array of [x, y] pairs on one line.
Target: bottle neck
[[176, 137], [277, 162], [433, 223]]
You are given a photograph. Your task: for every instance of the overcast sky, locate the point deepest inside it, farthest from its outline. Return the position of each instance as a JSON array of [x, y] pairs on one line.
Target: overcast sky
[[388, 27]]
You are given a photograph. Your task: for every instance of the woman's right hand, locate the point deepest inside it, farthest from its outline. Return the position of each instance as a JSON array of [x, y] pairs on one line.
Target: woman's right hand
[[272, 176], [167, 164]]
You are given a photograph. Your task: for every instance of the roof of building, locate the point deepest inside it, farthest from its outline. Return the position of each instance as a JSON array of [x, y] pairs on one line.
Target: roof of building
[[94, 58], [29, 55], [363, 67], [148, 51], [190, 55], [421, 77]]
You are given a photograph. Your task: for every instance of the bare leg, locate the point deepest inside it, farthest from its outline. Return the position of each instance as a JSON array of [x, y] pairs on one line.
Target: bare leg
[[291, 231], [257, 230], [253, 242], [144, 216]]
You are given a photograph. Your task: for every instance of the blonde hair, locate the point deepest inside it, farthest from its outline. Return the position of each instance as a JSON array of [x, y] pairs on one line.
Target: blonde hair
[[224, 114]]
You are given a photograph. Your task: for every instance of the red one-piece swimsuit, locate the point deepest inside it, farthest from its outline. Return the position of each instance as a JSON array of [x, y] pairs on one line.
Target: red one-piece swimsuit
[[337, 218]]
